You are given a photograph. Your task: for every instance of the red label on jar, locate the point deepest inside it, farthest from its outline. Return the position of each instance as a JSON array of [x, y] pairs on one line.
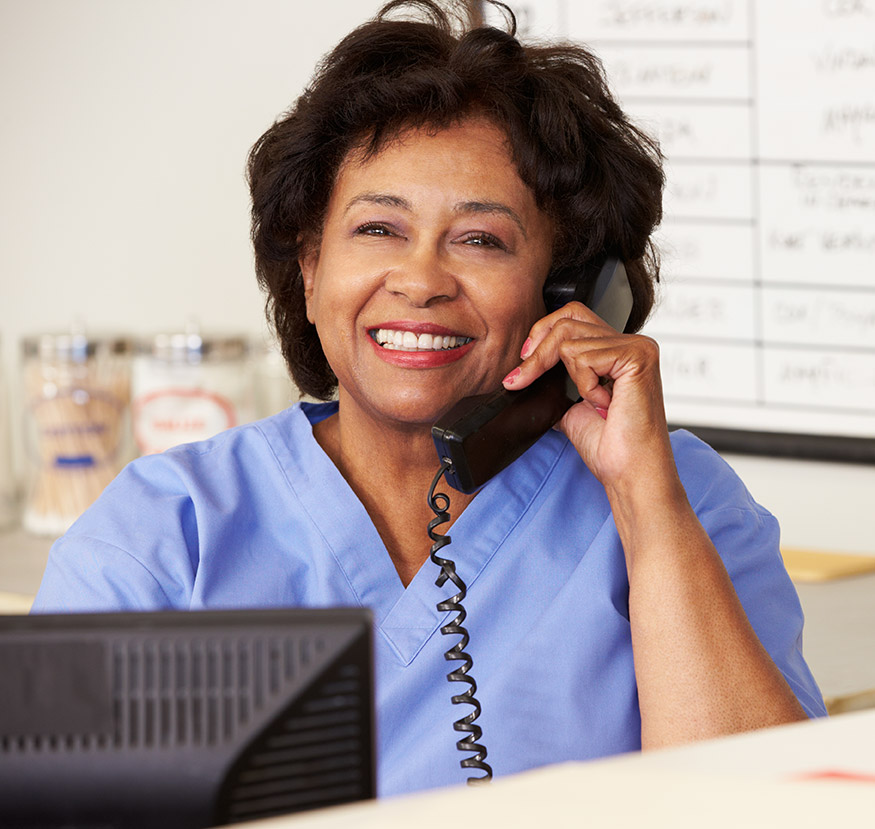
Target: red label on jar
[[169, 417]]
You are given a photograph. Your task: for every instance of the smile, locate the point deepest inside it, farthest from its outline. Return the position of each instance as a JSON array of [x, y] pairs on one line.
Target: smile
[[394, 340]]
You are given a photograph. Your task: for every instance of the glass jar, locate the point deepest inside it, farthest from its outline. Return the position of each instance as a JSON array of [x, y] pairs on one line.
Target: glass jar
[[76, 396], [187, 388], [8, 489]]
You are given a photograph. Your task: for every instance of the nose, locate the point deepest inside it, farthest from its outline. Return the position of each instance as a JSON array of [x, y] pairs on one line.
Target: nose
[[423, 278]]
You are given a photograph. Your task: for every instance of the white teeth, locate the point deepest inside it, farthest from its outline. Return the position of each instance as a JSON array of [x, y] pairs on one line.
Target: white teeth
[[408, 341]]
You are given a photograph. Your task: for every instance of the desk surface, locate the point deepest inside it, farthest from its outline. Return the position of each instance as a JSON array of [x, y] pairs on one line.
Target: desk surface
[[760, 779], [839, 631]]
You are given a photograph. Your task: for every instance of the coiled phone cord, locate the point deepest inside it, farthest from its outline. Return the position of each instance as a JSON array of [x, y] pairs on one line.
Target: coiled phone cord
[[439, 503]]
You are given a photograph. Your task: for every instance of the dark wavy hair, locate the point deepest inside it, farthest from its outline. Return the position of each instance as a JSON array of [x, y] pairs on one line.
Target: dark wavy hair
[[594, 172]]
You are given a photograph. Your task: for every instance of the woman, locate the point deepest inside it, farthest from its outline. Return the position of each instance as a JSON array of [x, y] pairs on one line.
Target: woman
[[624, 590]]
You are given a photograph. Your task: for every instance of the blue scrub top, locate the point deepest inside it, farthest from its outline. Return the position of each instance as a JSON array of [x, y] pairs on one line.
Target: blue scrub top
[[260, 517]]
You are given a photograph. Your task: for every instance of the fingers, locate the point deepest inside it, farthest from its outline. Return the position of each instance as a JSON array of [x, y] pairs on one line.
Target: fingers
[[540, 357], [547, 338], [573, 311], [595, 354]]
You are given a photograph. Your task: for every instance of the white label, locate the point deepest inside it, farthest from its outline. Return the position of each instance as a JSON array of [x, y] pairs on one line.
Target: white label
[[172, 416]]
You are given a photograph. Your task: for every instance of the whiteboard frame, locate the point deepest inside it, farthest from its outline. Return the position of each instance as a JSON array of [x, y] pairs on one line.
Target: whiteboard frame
[[797, 446]]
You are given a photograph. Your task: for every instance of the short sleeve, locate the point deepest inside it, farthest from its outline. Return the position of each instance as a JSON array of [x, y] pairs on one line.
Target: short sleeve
[[135, 548], [747, 537]]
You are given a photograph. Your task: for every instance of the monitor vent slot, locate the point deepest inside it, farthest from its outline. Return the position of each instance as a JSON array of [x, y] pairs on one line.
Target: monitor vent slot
[[313, 758], [53, 743], [197, 691]]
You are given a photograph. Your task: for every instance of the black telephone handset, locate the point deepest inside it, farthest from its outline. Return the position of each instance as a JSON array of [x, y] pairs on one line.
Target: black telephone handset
[[481, 435]]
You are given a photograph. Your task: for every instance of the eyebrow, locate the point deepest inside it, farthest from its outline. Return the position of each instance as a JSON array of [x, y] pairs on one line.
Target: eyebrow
[[389, 200], [492, 207], [384, 199]]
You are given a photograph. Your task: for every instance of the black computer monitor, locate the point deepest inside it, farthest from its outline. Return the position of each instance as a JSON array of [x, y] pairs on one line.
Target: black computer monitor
[[183, 719]]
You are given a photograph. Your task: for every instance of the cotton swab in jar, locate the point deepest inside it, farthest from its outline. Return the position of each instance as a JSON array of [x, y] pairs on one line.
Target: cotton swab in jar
[[77, 393]]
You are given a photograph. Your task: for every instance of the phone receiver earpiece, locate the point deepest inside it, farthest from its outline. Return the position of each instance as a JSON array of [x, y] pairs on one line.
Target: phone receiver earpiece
[[602, 285]]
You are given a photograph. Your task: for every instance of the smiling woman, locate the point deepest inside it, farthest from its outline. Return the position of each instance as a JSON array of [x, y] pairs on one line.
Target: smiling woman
[[454, 246], [624, 589]]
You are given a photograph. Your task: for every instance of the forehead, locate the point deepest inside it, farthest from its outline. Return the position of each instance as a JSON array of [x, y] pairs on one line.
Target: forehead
[[472, 153]]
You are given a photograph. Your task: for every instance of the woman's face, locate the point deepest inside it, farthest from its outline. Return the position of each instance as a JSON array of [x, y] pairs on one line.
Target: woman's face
[[429, 272]]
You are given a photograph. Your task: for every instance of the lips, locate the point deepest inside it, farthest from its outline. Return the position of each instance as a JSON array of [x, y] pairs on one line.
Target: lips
[[422, 345]]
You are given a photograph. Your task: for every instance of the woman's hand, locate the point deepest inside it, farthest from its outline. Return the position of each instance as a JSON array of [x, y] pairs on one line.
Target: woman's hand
[[619, 426]]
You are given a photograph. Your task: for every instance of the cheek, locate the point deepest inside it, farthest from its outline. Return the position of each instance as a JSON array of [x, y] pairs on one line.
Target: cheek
[[523, 307], [334, 306]]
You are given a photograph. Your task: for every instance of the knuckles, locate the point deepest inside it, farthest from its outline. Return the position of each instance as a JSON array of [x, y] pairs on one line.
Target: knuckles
[[576, 309], [649, 347], [572, 335], [636, 348]]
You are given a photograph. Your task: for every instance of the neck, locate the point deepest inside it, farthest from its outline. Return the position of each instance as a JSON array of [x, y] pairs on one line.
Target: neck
[[399, 457], [390, 469]]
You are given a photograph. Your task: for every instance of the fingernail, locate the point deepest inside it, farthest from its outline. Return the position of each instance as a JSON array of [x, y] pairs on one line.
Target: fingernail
[[602, 412], [511, 378], [527, 347]]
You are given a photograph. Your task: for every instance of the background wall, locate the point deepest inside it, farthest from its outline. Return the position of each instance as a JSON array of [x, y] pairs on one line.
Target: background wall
[[123, 201], [126, 129]]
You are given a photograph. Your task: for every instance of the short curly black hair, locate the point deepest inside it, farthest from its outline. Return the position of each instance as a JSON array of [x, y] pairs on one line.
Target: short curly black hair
[[590, 168]]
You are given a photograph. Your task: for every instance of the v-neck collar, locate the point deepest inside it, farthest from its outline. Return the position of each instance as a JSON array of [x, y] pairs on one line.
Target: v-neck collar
[[405, 617]]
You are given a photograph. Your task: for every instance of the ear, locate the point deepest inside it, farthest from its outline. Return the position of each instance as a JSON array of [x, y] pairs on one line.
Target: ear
[[308, 263]]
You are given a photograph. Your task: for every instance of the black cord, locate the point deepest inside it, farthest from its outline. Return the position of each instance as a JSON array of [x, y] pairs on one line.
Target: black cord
[[439, 503]]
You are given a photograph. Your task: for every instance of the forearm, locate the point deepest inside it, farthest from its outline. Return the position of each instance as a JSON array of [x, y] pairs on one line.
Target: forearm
[[700, 668]]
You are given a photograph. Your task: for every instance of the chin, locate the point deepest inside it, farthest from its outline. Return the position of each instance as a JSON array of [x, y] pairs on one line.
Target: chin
[[417, 414], [415, 404], [413, 410]]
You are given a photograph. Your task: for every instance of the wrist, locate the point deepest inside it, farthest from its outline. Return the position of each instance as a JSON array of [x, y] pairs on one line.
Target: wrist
[[651, 511]]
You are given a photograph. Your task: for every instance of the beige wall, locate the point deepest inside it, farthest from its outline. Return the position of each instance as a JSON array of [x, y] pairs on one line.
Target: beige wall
[[125, 131]]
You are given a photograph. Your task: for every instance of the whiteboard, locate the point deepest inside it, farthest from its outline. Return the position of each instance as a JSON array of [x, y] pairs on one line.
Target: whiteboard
[[766, 114]]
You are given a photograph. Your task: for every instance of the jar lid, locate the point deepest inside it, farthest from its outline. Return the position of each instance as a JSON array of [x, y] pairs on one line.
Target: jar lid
[[193, 347], [73, 347]]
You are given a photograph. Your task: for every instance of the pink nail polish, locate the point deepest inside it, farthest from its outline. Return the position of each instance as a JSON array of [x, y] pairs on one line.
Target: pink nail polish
[[511, 378], [602, 412], [527, 347]]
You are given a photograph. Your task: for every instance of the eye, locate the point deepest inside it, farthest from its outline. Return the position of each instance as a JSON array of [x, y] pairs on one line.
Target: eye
[[373, 229], [482, 239]]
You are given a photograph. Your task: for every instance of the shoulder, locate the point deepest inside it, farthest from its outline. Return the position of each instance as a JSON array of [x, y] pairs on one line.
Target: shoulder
[[744, 532], [144, 540], [242, 472], [710, 482], [250, 450]]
